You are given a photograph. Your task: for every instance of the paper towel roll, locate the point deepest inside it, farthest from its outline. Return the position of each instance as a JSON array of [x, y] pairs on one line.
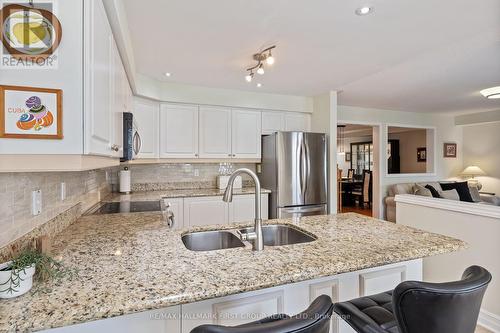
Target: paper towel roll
[[125, 181]]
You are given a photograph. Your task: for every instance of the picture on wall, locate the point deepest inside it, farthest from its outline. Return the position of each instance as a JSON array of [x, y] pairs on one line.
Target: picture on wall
[[348, 157], [450, 150], [422, 154], [30, 113]]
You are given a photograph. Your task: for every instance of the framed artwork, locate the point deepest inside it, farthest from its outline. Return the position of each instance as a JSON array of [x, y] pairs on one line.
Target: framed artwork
[[422, 154], [450, 150], [30, 113], [347, 157]]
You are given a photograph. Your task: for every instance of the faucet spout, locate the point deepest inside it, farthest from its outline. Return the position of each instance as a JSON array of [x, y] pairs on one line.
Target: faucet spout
[[256, 235]]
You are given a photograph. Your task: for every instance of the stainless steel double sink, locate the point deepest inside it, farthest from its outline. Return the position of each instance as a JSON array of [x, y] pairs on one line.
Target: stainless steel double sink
[[274, 235]]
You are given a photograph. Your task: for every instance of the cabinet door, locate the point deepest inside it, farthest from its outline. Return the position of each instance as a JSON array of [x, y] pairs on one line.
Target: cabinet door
[[215, 132], [296, 121], [178, 131], [176, 206], [146, 115], [233, 310], [205, 211], [119, 102], [272, 122], [99, 80], [242, 208], [246, 132]]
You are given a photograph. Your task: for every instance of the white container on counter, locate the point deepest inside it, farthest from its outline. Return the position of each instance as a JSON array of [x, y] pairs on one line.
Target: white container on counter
[[125, 180], [223, 180]]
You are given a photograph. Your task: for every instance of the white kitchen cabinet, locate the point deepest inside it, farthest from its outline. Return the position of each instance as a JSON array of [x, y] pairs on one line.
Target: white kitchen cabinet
[[242, 208], [297, 121], [99, 80], [205, 211], [146, 118], [176, 206], [246, 133], [215, 132], [272, 122], [178, 131], [119, 101]]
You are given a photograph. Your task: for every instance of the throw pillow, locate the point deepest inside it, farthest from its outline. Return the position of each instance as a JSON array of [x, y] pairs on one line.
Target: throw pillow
[[474, 193], [434, 192], [450, 195], [462, 189], [420, 190]]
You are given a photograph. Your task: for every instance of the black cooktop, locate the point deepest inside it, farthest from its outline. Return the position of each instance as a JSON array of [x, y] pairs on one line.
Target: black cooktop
[[128, 207]]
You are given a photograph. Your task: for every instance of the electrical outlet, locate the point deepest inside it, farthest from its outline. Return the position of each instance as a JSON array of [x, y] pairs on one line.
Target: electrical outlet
[[62, 191], [196, 172], [36, 202]]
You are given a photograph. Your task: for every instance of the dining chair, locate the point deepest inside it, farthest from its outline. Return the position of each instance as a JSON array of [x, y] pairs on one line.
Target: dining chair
[[364, 193]]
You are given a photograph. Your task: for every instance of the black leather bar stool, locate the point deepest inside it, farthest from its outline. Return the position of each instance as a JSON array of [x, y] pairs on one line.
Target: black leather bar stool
[[316, 319], [420, 307]]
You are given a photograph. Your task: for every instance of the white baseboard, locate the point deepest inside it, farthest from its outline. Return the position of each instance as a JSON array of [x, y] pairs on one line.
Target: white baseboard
[[489, 320]]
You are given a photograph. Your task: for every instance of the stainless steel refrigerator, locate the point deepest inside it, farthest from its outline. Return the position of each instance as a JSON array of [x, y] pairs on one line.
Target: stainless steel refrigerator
[[294, 168]]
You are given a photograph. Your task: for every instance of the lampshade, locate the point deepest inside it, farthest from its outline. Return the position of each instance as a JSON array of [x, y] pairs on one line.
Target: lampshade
[[473, 171]]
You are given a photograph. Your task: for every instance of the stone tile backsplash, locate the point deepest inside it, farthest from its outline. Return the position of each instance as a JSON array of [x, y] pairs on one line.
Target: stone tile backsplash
[[85, 188], [180, 176]]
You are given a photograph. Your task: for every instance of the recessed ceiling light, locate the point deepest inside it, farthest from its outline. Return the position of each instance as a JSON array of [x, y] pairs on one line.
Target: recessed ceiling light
[[491, 93], [259, 85], [168, 74], [364, 10]]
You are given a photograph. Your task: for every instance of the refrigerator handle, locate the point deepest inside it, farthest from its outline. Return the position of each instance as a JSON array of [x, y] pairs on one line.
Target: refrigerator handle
[[307, 159], [302, 170]]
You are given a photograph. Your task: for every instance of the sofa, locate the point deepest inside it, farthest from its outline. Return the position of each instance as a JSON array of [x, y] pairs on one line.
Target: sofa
[[410, 188]]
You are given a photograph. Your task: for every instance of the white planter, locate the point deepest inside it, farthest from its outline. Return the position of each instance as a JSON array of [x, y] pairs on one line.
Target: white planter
[[25, 281]]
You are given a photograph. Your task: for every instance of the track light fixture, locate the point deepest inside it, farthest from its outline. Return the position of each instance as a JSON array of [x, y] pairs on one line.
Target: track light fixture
[[265, 56]]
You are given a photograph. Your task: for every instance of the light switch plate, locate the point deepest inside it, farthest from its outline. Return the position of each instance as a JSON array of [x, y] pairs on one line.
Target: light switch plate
[[36, 202]]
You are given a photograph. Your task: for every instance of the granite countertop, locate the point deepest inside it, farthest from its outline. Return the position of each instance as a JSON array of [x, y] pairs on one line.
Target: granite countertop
[[186, 193], [132, 262]]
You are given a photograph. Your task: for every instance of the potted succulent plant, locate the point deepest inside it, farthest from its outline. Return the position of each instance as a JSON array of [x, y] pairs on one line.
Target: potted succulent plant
[[16, 276]]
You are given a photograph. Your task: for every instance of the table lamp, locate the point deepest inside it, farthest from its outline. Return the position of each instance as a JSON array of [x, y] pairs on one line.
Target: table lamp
[[473, 171]]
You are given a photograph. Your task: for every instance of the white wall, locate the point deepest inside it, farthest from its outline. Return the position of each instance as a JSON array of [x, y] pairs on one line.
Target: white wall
[[183, 93], [446, 131], [324, 120], [68, 77], [482, 148]]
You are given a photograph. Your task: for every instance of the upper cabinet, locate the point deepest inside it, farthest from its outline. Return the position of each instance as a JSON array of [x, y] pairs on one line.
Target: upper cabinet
[[99, 77], [215, 132], [273, 122], [146, 118], [246, 133], [107, 92], [178, 131], [296, 121]]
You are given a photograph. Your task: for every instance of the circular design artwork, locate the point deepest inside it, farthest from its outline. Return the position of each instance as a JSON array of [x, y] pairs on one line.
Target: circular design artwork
[[29, 33]]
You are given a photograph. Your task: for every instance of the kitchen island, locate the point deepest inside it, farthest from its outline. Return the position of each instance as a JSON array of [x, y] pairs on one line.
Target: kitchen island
[[135, 274]]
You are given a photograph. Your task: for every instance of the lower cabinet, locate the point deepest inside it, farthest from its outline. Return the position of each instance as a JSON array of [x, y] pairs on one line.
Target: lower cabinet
[[212, 210], [242, 209], [205, 211], [250, 306]]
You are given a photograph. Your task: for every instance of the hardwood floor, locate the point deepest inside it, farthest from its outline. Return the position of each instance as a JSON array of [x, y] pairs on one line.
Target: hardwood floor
[[358, 210]]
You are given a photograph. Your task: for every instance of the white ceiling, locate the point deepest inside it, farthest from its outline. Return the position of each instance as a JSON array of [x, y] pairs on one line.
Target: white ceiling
[[421, 56]]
